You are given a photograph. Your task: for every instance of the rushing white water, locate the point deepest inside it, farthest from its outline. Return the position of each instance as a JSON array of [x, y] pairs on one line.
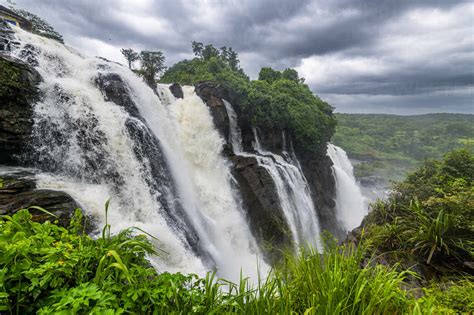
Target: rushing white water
[[292, 187], [351, 206], [89, 145]]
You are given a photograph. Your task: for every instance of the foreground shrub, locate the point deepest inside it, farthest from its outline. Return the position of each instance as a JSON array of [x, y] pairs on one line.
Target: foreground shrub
[[51, 269], [429, 216], [48, 269]]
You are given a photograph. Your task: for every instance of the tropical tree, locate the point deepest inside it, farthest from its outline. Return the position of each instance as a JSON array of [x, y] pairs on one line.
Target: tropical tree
[[209, 51], [232, 59], [130, 55], [197, 48], [153, 63], [269, 75]]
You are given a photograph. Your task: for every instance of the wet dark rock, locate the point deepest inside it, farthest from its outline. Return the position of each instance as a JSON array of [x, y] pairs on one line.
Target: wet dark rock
[[260, 199], [316, 166], [6, 37], [18, 191], [212, 94], [318, 172], [176, 90], [115, 90], [18, 94]]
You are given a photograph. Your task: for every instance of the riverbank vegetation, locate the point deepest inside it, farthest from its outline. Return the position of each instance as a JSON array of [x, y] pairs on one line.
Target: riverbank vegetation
[[413, 256]]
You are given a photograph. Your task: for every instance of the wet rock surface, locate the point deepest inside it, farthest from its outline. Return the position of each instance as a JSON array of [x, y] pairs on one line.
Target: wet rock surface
[[18, 94], [212, 95], [18, 191], [176, 90], [260, 199]]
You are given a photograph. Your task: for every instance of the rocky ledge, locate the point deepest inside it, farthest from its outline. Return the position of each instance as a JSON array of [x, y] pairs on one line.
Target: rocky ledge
[[18, 190]]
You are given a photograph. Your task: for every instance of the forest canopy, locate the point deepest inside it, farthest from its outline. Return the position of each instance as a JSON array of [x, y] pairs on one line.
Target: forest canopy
[[278, 99]]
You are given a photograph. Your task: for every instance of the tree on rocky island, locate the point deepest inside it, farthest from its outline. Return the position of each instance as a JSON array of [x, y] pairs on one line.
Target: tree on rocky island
[[225, 54], [197, 48], [270, 75], [130, 55], [152, 64]]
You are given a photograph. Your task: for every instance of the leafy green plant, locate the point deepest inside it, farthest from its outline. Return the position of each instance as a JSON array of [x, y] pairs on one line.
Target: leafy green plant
[[429, 217], [279, 100]]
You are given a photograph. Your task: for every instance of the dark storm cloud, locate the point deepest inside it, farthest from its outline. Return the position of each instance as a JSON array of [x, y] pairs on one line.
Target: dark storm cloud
[[352, 51]]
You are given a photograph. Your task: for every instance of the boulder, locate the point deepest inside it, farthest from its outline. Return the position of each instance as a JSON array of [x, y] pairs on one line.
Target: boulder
[[115, 90], [18, 94], [176, 90], [18, 191]]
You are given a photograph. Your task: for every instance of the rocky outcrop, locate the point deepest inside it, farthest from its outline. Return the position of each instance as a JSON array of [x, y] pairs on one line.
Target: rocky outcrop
[[18, 191], [256, 187], [260, 199], [176, 90], [18, 93], [212, 95], [115, 90], [318, 172]]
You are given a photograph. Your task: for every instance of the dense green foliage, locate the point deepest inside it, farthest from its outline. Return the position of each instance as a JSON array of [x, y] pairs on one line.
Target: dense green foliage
[[48, 269], [390, 145], [277, 100], [429, 218]]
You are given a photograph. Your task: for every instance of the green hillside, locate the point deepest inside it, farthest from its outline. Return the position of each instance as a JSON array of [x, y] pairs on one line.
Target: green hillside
[[389, 145]]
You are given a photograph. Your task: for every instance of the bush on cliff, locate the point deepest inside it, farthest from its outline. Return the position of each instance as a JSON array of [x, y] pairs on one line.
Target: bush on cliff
[[277, 100]]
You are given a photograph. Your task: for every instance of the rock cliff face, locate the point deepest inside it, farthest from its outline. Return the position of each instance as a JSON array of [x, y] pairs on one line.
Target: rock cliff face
[[18, 91], [18, 191], [257, 190]]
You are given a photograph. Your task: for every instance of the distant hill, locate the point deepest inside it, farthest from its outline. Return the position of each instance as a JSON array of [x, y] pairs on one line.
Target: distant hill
[[386, 147]]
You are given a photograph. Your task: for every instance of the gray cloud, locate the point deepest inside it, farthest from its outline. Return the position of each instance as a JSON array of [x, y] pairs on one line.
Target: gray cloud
[[356, 53]]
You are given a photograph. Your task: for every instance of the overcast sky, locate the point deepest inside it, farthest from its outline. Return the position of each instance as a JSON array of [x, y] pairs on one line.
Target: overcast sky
[[404, 57]]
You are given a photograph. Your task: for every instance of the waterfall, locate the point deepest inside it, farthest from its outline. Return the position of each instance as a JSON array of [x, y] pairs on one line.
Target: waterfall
[[293, 189], [351, 206], [157, 157]]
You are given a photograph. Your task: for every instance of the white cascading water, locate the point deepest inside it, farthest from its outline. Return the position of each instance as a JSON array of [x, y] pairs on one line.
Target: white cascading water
[[351, 206], [77, 128], [293, 190]]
